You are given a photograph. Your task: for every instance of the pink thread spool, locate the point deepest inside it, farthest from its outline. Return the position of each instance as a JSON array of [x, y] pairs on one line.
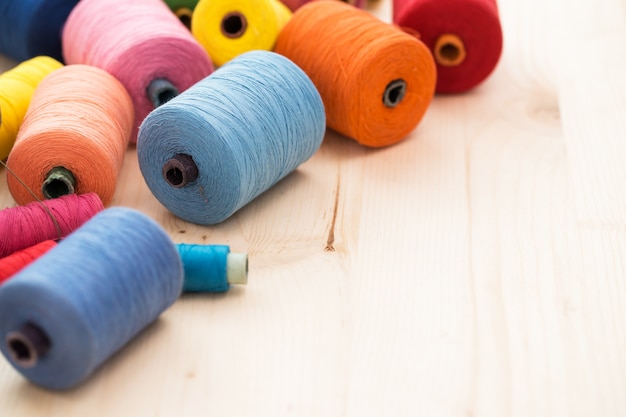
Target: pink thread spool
[[295, 4], [25, 226], [142, 44]]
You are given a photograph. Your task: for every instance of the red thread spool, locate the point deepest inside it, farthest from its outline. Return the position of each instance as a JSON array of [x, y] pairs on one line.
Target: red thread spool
[[24, 226], [14, 263], [464, 36]]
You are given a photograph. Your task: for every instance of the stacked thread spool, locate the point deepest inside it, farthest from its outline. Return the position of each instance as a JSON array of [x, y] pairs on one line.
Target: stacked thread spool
[[208, 142]]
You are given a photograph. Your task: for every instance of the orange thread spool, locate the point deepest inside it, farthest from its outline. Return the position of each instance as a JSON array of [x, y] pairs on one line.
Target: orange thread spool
[[376, 81], [74, 136]]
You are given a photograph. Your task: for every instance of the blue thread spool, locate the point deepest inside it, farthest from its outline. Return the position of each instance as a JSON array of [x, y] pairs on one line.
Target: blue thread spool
[[29, 28], [212, 268], [230, 137], [64, 315]]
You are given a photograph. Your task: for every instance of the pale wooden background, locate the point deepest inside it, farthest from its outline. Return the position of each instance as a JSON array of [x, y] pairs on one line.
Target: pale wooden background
[[475, 269]]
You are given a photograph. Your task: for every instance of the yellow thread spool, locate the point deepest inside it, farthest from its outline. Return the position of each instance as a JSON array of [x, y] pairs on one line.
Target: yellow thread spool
[[228, 28], [16, 90]]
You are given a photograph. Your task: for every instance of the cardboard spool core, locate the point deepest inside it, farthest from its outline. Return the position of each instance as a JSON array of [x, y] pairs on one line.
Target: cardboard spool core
[[449, 50], [27, 345], [184, 15], [160, 91], [59, 182], [234, 25], [394, 93], [180, 170]]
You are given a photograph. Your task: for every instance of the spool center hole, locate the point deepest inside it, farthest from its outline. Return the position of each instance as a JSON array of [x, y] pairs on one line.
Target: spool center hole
[[450, 52], [174, 176], [166, 95], [21, 351], [234, 24], [184, 15], [56, 188], [394, 93]]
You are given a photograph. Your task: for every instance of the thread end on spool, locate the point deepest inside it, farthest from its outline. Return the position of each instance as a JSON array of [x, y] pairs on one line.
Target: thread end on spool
[[449, 50], [27, 345], [180, 170], [234, 25], [237, 268], [184, 14], [160, 91], [59, 182], [394, 93]]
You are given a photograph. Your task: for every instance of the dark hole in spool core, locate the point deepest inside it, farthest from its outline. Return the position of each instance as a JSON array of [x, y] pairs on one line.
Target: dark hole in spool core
[[27, 345], [394, 93], [160, 91], [59, 182], [184, 15], [234, 24], [180, 170], [450, 52]]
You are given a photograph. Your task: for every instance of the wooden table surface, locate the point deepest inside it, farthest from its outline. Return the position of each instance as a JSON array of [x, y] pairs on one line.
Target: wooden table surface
[[476, 268]]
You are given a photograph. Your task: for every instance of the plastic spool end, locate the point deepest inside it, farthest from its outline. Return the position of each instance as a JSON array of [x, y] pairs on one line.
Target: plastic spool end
[[234, 25], [184, 14], [237, 268], [160, 91], [449, 50], [394, 93], [59, 182], [27, 345], [180, 170]]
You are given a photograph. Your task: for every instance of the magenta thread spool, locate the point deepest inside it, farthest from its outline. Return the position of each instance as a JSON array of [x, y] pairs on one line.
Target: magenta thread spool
[[25, 226]]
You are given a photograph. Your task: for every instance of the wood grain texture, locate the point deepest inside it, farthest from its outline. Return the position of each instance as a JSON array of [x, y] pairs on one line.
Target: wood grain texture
[[475, 269]]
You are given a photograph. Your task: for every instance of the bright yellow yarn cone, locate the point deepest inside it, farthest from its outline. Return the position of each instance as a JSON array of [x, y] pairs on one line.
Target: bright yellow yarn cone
[[228, 28], [16, 89]]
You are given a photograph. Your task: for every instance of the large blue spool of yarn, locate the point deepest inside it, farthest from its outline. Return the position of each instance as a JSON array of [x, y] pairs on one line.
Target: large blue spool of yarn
[[230, 137], [30, 28], [64, 315]]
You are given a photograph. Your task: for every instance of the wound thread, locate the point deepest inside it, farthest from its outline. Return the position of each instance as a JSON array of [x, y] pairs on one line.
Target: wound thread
[[30, 28], [228, 28], [17, 261], [342, 49], [80, 119], [25, 226], [134, 273], [207, 268], [212, 268], [16, 90], [295, 4], [137, 42], [245, 127], [465, 37]]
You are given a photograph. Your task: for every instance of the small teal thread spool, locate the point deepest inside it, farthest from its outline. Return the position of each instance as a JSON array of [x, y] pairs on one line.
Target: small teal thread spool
[[62, 316], [217, 146], [212, 268]]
